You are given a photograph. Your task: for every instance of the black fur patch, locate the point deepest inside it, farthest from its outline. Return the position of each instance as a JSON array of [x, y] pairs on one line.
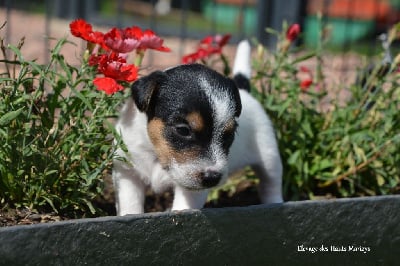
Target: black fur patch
[[242, 82]]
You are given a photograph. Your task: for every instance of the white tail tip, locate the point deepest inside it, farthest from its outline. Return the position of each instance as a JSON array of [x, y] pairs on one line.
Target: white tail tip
[[242, 63]]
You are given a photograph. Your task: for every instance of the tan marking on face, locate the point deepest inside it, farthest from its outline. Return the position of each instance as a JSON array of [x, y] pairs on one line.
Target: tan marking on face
[[230, 126], [196, 121], [165, 152]]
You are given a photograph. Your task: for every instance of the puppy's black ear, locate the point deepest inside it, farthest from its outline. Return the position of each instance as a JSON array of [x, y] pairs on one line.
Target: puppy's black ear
[[236, 97], [145, 88], [238, 110]]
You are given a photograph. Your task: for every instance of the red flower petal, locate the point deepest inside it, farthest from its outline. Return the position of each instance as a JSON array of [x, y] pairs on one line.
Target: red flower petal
[[293, 32], [134, 32], [120, 41], [108, 85], [150, 40], [97, 37], [209, 45], [113, 65], [305, 84], [129, 73], [80, 28], [222, 40], [199, 55], [189, 58], [95, 59], [304, 69], [207, 40]]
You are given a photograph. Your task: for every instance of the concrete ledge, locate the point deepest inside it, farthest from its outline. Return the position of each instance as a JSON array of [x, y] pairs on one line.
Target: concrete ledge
[[363, 231]]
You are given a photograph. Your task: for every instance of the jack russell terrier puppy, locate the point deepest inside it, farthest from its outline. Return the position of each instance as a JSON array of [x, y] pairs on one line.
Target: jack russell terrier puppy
[[187, 128]]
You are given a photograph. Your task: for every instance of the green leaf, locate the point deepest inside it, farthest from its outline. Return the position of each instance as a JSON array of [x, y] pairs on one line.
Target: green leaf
[[305, 125], [51, 203], [90, 206], [51, 172], [6, 79], [16, 51], [271, 31], [282, 109], [82, 98], [320, 166], [380, 180], [294, 157], [325, 163], [8, 117], [359, 153], [304, 57]]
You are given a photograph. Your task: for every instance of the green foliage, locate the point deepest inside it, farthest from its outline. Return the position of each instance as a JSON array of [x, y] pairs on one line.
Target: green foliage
[[346, 151], [55, 134]]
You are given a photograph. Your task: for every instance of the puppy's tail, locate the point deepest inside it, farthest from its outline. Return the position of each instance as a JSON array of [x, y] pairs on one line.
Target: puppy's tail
[[242, 66]]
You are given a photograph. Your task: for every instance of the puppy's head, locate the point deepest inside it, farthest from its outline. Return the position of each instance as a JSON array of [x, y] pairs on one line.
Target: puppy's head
[[191, 113]]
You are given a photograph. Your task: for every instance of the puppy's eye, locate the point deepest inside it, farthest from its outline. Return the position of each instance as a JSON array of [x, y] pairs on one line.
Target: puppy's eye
[[183, 130]]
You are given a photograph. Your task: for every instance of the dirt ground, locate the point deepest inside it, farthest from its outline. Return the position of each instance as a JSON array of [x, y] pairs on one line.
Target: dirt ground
[[339, 70]]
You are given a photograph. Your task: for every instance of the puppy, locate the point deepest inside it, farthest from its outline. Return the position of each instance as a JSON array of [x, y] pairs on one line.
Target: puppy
[[187, 128]]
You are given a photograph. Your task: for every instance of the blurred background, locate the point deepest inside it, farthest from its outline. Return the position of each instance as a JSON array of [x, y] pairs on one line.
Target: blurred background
[[354, 25]]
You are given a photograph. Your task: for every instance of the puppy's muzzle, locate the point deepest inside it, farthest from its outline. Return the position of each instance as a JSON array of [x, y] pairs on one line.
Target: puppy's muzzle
[[210, 178]]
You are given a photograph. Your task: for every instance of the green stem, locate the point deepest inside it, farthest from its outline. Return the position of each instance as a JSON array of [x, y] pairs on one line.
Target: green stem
[[139, 57]]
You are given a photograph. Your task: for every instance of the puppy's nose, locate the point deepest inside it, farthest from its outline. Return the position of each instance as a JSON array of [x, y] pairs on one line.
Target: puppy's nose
[[210, 178]]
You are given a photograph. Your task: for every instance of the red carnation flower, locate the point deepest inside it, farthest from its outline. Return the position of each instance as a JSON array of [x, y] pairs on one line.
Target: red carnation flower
[[149, 40], [111, 60], [108, 85], [208, 46], [221, 40], [198, 55], [305, 84], [121, 41], [304, 69], [134, 32], [80, 28], [114, 66]]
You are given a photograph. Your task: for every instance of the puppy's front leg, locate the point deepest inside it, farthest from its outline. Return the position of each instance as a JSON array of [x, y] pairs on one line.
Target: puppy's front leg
[[129, 190], [270, 187], [188, 199]]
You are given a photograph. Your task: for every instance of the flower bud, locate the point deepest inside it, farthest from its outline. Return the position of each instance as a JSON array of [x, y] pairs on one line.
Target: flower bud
[[293, 32]]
